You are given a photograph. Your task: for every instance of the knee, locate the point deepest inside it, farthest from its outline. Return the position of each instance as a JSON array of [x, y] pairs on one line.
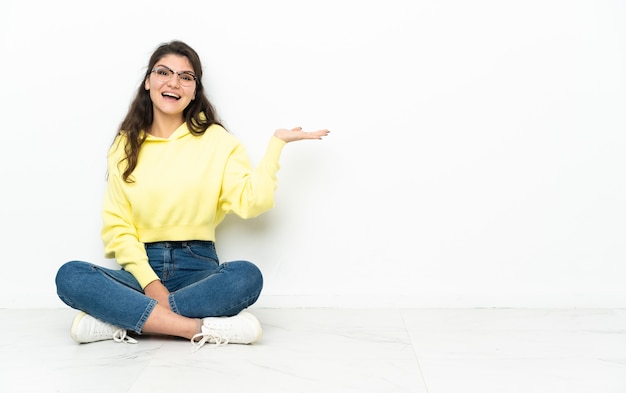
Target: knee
[[250, 275], [69, 276], [254, 275]]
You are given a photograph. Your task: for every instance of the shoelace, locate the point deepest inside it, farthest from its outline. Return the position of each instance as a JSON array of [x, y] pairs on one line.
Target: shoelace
[[120, 336], [207, 335]]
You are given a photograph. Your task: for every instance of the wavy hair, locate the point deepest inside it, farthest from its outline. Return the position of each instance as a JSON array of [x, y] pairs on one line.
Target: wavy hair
[[199, 114]]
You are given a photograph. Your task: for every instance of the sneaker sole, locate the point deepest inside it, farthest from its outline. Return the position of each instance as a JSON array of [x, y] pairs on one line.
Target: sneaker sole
[[74, 327], [255, 322]]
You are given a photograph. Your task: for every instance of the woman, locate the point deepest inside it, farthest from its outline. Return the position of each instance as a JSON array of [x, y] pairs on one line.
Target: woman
[[173, 174]]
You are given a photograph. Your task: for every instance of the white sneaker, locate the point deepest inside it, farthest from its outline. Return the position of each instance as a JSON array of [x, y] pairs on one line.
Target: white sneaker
[[242, 328], [87, 329]]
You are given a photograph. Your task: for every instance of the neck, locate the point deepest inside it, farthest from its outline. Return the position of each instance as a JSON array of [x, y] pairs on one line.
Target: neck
[[164, 126]]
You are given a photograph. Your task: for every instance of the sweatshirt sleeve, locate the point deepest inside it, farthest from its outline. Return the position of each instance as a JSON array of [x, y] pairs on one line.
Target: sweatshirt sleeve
[[248, 191], [118, 232]]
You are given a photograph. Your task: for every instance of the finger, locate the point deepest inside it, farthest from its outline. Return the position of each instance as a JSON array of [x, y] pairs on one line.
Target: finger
[[317, 134], [321, 132]]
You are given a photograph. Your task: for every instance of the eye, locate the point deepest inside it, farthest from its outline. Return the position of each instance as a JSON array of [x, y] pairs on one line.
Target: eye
[[162, 72], [187, 77]]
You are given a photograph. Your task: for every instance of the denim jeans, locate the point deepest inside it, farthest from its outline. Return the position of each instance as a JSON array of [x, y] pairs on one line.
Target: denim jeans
[[199, 285]]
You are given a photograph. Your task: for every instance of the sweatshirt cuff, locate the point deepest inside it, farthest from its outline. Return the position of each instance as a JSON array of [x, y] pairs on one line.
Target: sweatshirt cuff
[[142, 275], [275, 147]]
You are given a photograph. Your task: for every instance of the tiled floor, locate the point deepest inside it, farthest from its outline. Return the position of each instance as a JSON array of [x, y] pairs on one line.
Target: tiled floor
[[334, 350]]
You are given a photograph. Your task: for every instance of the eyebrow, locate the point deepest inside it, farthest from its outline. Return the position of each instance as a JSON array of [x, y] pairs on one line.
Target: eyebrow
[[163, 65]]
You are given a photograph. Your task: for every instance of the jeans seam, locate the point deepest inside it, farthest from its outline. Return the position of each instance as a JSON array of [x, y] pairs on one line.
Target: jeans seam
[[145, 315], [172, 302]]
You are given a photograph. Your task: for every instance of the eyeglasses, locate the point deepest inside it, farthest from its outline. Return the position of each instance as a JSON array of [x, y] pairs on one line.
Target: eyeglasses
[[164, 74]]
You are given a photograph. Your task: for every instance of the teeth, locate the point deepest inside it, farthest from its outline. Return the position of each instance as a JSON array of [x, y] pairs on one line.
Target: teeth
[[171, 95]]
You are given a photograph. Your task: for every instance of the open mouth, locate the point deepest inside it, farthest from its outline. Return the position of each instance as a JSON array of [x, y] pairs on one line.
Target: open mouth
[[171, 95]]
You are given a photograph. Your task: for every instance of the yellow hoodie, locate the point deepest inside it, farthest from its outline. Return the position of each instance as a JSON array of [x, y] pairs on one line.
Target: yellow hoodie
[[183, 188]]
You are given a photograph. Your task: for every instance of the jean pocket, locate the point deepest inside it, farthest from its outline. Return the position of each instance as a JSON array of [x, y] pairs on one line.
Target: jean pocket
[[205, 251]]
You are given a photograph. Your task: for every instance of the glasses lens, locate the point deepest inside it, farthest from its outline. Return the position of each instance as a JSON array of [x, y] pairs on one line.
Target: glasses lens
[[163, 74], [186, 78]]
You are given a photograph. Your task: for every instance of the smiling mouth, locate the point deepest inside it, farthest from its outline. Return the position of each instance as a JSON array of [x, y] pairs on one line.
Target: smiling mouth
[[171, 95]]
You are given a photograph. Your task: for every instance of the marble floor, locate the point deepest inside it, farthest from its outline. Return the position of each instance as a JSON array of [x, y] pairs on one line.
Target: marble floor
[[332, 351]]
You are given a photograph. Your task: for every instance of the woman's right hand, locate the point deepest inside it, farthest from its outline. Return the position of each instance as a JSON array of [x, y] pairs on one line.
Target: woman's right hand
[[157, 291], [296, 134]]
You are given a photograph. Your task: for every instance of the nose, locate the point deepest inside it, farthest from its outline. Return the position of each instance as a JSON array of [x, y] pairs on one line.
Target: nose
[[173, 80]]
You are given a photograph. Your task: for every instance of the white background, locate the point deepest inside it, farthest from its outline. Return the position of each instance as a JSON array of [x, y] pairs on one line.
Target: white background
[[476, 155]]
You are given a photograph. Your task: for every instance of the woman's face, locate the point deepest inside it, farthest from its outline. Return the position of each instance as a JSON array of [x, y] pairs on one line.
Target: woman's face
[[172, 85]]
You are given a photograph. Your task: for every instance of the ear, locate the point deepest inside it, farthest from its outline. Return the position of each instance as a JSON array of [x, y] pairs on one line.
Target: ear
[[146, 84]]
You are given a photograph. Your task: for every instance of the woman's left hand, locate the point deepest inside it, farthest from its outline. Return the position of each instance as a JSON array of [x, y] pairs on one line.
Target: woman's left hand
[[296, 134]]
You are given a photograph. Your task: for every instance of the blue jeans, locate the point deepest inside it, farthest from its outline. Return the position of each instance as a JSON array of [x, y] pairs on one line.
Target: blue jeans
[[199, 285]]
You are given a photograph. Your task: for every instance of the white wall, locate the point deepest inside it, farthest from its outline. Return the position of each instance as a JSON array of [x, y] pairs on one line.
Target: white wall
[[476, 156]]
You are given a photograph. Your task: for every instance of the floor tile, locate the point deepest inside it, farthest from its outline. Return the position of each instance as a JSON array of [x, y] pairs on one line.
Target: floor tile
[[334, 350]]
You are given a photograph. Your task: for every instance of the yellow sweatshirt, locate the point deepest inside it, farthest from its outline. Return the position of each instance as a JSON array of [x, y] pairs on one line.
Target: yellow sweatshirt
[[184, 186]]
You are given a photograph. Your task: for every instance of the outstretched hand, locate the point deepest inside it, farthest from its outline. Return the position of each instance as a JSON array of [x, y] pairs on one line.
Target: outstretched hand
[[296, 134]]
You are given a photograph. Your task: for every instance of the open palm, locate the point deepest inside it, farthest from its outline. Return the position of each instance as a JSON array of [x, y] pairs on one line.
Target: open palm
[[296, 134]]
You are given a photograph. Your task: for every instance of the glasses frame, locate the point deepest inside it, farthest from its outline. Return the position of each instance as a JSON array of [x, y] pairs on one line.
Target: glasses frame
[[177, 73]]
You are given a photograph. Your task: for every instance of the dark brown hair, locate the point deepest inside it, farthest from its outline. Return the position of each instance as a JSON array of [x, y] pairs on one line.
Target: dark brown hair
[[199, 114]]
